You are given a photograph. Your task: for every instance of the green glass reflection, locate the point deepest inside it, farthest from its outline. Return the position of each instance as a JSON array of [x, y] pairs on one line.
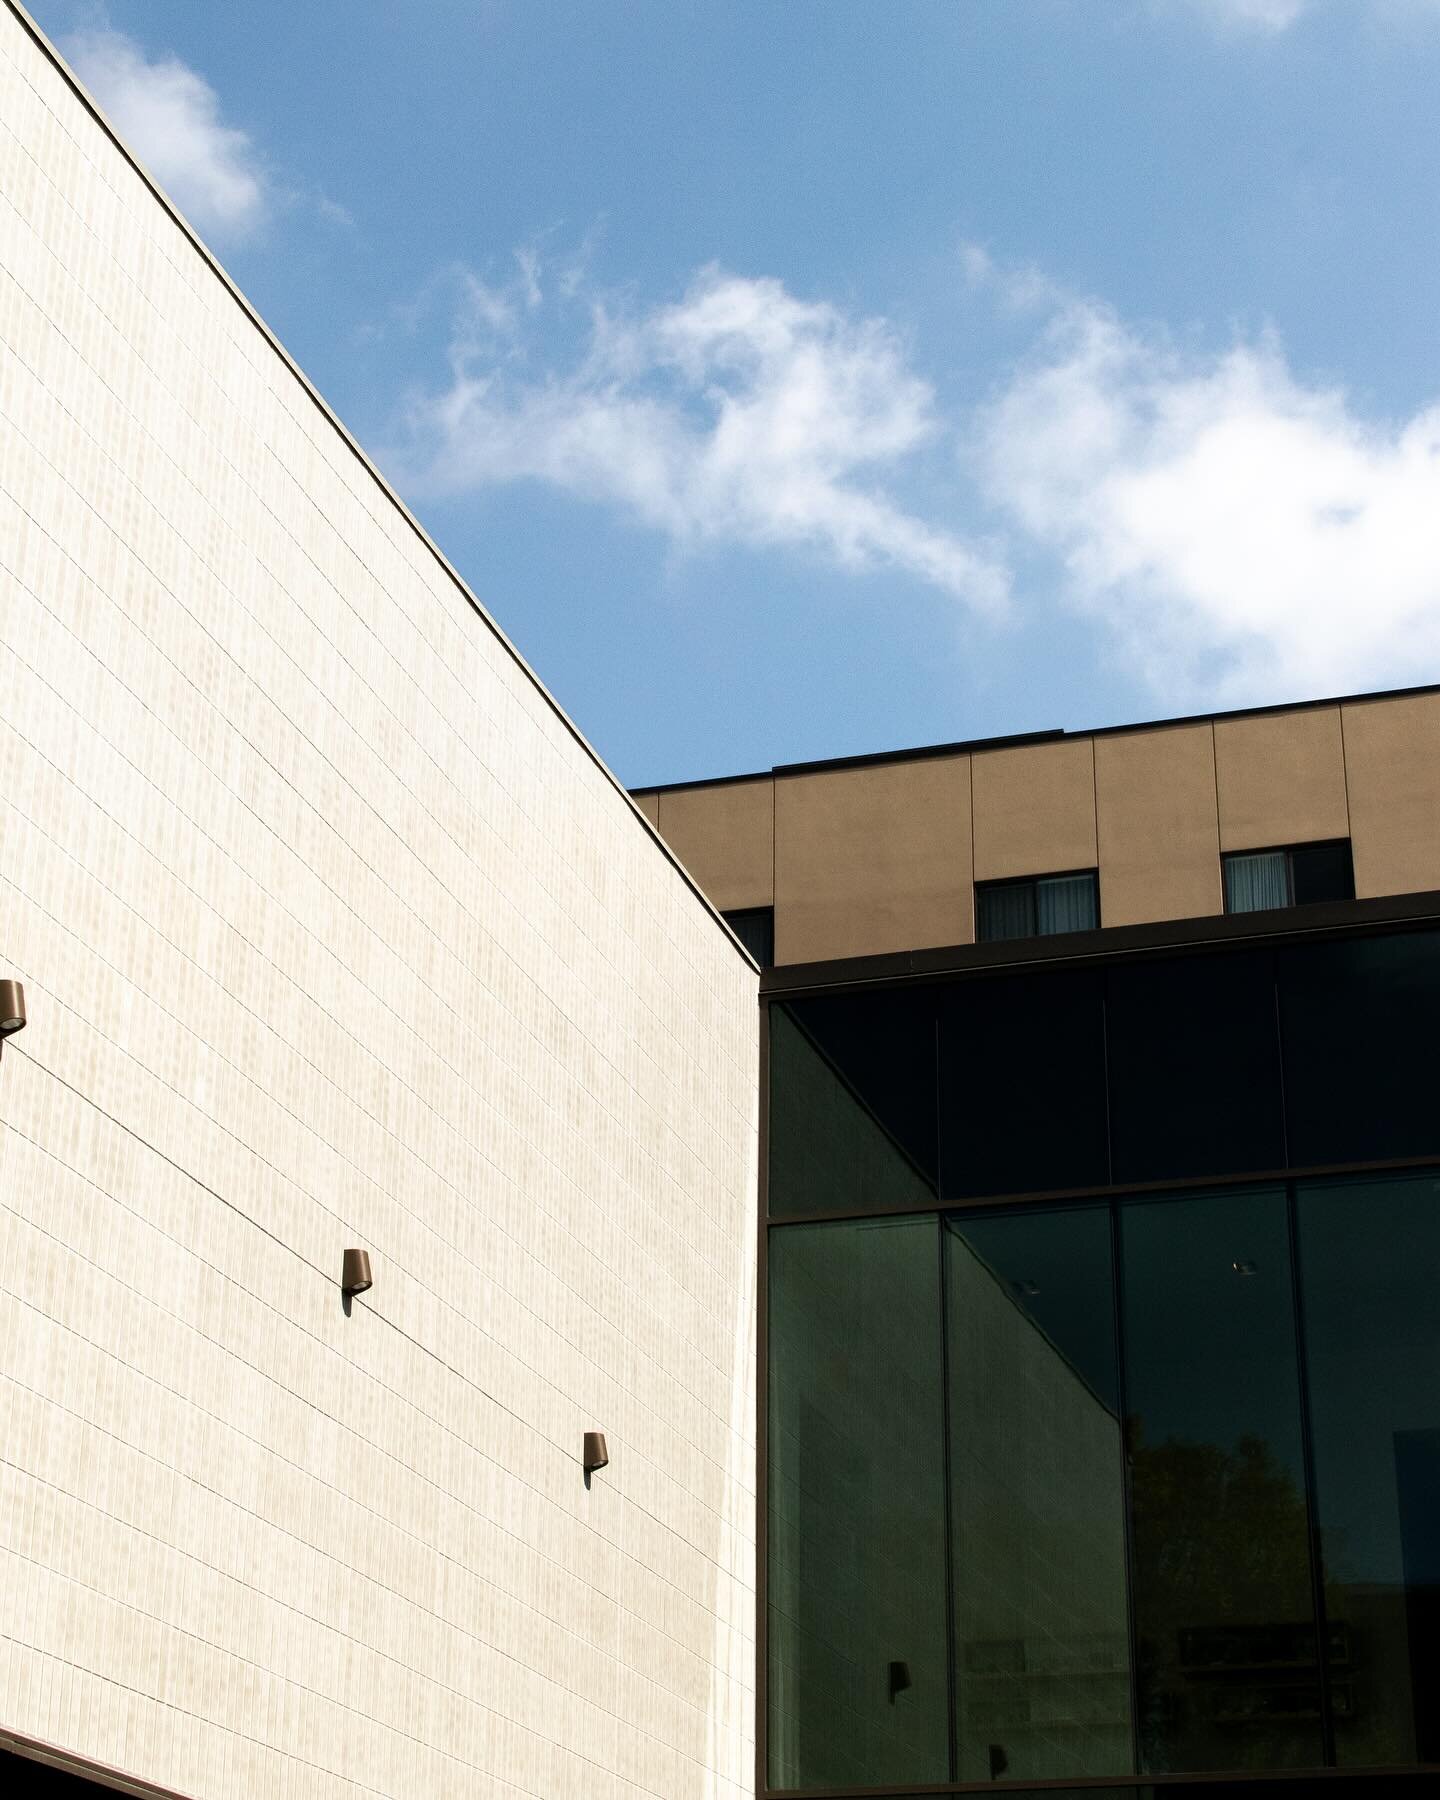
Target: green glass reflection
[[1227, 1673], [837, 1136], [857, 1681], [1370, 1275], [1042, 1662]]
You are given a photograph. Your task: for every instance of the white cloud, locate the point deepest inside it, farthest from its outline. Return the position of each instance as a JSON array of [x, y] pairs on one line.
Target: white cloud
[[1246, 535], [1271, 17], [171, 117], [739, 414], [1247, 15], [1234, 532]]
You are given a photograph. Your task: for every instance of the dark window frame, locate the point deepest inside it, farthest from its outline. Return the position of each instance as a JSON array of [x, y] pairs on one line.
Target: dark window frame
[[1289, 852], [1033, 882]]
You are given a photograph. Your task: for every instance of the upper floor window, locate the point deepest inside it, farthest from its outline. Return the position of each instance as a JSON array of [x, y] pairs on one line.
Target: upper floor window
[[755, 928], [1039, 906], [1256, 880]]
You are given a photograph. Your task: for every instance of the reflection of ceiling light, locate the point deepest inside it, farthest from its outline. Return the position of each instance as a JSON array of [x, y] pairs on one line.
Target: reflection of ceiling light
[[1243, 1268], [1028, 1288]]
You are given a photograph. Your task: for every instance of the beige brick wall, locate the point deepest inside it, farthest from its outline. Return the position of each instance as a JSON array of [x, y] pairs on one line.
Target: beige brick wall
[[332, 933]]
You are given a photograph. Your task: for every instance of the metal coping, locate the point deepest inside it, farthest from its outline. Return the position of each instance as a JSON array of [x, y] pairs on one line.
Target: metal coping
[[66, 1762], [1017, 740]]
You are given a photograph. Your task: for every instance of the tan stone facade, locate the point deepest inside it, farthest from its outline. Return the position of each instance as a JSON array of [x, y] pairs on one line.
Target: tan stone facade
[[882, 854]]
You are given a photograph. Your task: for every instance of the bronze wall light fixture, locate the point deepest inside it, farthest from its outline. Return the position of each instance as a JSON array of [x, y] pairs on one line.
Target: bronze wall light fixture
[[596, 1455], [355, 1274], [12, 1009]]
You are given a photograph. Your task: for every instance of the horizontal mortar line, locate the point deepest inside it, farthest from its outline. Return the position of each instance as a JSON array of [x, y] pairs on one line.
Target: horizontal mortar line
[[267, 1523], [363, 1173], [669, 1179], [245, 674], [315, 1694], [318, 1695], [471, 1146], [389, 498], [469, 1323], [371, 1312], [530, 1550], [449, 1626]]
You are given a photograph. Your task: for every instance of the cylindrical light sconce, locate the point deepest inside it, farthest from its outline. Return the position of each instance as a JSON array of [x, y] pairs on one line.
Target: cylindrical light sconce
[[355, 1275], [596, 1455], [12, 1007]]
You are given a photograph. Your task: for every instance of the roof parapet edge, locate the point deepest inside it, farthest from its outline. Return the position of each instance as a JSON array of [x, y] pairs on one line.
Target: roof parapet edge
[[967, 746]]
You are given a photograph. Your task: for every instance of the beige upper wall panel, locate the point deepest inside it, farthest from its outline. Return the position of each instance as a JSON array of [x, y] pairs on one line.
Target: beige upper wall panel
[[649, 804], [1158, 826], [1281, 779], [1034, 810], [870, 860], [1392, 760], [725, 836]]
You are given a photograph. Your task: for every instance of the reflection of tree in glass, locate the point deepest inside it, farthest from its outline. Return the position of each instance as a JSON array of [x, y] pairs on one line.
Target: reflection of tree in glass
[[1226, 1670]]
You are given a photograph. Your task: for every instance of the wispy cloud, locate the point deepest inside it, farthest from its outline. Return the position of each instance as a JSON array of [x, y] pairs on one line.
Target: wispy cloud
[[737, 414], [1233, 531], [171, 116], [1245, 534], [1266, 16]]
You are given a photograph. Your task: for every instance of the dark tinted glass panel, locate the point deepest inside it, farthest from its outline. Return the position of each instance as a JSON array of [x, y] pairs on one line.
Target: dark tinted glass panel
[[1370, 1277], [1322, 872], [1037, 1494], [1022, 1085], [852, 1103], [755, 929], [1361, 1048], [857, 1689], [1006, 910], [1227, 1672], [1194, 1067]]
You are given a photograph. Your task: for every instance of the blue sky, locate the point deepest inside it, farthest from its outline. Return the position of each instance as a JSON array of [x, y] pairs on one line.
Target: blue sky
[[808, 377]]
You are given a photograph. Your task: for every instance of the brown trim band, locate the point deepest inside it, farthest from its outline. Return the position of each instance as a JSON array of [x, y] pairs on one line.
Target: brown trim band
[[1330, 918], [1106, 1783], [37, 1750]]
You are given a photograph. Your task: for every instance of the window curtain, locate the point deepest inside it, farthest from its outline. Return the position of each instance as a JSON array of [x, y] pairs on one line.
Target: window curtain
[[1253, 883], [1066, 903]]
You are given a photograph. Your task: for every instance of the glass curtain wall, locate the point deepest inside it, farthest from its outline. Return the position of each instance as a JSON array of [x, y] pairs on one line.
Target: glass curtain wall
[[1369, 1262], [1227, 1657], [1042, 1683], [1117, 1483], [858, 1674], [1050, 1488]]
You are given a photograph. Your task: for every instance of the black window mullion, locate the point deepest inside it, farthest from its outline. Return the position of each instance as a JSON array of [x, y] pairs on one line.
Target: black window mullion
[[1317, 1566], [1117, 1288], [947, 1461]]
